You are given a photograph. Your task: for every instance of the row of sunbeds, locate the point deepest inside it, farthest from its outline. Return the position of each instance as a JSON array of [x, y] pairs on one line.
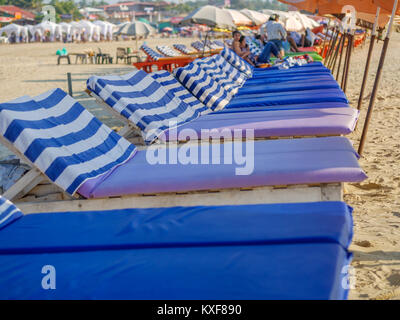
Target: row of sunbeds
[[238, 246]]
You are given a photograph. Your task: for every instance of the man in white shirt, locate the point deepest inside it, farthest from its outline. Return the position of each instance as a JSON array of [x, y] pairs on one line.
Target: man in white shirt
[[275, 32]]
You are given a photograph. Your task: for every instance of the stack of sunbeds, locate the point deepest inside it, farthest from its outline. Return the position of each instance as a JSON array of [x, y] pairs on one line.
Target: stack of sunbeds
[[186, 249]]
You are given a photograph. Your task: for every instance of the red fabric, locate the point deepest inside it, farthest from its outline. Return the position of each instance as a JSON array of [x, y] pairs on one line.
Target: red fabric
[[317, 30], [12, 10]]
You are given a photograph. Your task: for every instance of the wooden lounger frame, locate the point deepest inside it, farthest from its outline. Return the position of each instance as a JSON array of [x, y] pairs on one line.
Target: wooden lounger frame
[[34, 192], [239, 196]]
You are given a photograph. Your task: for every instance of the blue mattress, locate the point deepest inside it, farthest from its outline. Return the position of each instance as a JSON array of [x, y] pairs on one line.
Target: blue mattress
[[298, 77], [287, 98], [295, 85], [296, 106], [291, 71], [279, 251]]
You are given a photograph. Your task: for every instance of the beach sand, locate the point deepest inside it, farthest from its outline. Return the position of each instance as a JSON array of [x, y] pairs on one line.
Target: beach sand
[[30, 69]]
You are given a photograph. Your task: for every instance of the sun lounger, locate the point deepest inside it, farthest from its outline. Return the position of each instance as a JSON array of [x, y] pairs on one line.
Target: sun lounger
[[167, 51], [274, 124], [151, 54], [142, 102], [182, 48], [284, 251], [95, 162], [317, 122]]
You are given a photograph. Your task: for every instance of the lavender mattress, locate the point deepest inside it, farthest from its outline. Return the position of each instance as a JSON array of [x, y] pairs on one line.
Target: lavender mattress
[[281, 123], [276, 162]]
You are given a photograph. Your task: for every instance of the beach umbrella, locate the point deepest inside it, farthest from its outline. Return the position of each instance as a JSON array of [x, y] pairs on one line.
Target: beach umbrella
[[294, 24], [10, 29], [239, 18], [257, 17], [211, 16], [136, 29]]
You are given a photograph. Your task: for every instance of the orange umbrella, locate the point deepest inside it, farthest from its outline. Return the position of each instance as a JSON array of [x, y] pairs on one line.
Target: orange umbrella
[[388, 5], [336, 6]]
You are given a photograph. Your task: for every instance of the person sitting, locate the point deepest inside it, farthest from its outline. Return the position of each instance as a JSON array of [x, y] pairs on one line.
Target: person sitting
[[245, 52], [236, 42], [269, 48], [275, 32]]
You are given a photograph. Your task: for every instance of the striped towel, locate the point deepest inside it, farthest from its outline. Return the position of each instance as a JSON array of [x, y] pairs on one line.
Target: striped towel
[[198, 45], [203, 86], [230, 56], [231, 82], [62, 139], [173, 86], [182, 48], [167, 51], [8, 212], [253, 47], [150, 52], [141, 99]]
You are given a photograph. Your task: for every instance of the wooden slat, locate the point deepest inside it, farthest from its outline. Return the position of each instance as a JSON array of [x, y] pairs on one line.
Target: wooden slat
[[260, 195]]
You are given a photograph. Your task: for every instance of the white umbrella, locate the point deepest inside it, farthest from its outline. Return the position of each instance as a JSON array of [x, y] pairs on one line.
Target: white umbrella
[[257, 17], [293, 24], [10, 29], [53, 28], [136, 28], [211, 16], [239, 18]]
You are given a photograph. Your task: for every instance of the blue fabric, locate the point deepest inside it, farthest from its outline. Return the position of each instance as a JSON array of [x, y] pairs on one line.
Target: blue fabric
[[265, 55], [141, 99], [278, 251], [290, 97], [153, 54], [315, 105], [63, 139], [288, 86], [236, 61], [8, 212], [203, 86]]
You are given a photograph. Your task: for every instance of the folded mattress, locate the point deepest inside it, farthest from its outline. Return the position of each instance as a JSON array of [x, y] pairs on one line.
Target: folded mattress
[[287, 98], [279, 251], [280, 123], [264, 163]]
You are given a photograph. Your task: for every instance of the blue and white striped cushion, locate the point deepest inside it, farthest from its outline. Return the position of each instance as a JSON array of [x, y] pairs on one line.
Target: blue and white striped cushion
[[173, 86], [253, 47], [153, 54], [8, 212], [203, 86], [141, 99], [230, 56], [167, 51], [230, 76], [220, 75], [199, 46], [182, 48], [62, 139]]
